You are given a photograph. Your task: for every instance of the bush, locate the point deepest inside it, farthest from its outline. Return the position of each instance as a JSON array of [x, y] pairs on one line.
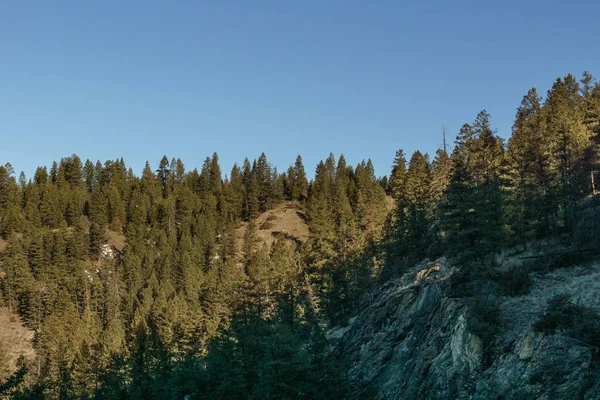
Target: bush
[[514, 281], [266, 225], [586, 234], [478, 279], [460, 285], [573, 320], [560, 259], [559, 314], [484, 319], [474, 278]]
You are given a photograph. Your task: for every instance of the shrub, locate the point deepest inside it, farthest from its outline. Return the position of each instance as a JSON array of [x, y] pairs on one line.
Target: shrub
[[562, 259], [477, 279], [573, 320], [586, 233], [484, 319], [514, 281], [266, 225], [474, 278]]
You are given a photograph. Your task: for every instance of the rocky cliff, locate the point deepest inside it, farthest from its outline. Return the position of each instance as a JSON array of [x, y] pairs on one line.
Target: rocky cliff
[[412, 341]]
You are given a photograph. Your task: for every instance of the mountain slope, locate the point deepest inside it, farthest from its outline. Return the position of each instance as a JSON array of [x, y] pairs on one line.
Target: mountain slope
[[413, 341], [16, 344], [287, 219]]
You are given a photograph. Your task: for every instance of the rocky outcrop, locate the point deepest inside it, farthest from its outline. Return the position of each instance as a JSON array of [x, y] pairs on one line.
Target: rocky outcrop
[[413, 342]]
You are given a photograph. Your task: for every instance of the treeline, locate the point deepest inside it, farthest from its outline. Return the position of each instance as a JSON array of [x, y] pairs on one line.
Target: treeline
[[136, 322], [182, 307], [487, 194]]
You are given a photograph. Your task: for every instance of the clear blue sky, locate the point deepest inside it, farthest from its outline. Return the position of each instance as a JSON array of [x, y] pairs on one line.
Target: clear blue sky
[[187, 78]]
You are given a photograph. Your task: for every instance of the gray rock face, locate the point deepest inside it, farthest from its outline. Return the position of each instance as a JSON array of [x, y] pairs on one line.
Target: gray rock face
[[412, 342]]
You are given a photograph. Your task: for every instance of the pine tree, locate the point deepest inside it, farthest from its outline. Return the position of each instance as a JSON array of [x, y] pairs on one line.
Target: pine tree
[[347, 229], [234, 194], [89, 173], [418, 203], [472, 213], [216, 181], [163, 174], [74, 206], [53, 175], [98, 206], [10, 216], [49, 207], [371, 204], [528, 171], [398, 176], [149, 184], [251, 199], [441, 172], [300, 190], [97, 239], [115, 210], [71, 170], [590, 92], [18, 282], [320, 217], [569, 138]]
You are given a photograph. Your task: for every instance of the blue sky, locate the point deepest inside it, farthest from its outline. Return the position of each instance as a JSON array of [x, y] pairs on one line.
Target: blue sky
[[139, 79]]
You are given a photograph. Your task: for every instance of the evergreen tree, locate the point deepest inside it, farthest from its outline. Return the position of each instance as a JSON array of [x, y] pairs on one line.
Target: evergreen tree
[[96, 240], [528, 172], [89, 173], [418, 203], [50, 212], [472, 213], [569, 138], [251, 199], [300, 182], [163, 174], [398, 176], [9, 202]]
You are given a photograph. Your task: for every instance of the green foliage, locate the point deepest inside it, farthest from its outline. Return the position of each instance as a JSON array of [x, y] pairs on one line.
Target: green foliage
[[479, 277], [586, 232], [265, 360], [10, 386], [179, 309], [561, 258], [514, 281], [472, 213], [572, 320], [484, 319], [97, 238], [296, 184]]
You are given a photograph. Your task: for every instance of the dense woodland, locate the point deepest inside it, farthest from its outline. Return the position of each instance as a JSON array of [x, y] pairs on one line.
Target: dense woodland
[[139, 287]]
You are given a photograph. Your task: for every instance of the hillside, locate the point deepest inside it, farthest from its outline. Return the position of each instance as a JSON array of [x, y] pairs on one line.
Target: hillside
[[414, 339], [16, 344], [287, 219], [471, 273]]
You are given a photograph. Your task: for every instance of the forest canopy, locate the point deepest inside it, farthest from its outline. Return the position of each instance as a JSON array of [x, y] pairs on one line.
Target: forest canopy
[[160, 285]]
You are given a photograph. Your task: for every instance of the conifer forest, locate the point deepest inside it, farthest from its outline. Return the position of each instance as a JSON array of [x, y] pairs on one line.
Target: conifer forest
[[231, 282]]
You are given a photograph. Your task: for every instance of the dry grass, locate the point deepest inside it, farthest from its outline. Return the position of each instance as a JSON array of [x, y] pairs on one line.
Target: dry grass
[[287, 219], [116, 239], [15, 342]]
